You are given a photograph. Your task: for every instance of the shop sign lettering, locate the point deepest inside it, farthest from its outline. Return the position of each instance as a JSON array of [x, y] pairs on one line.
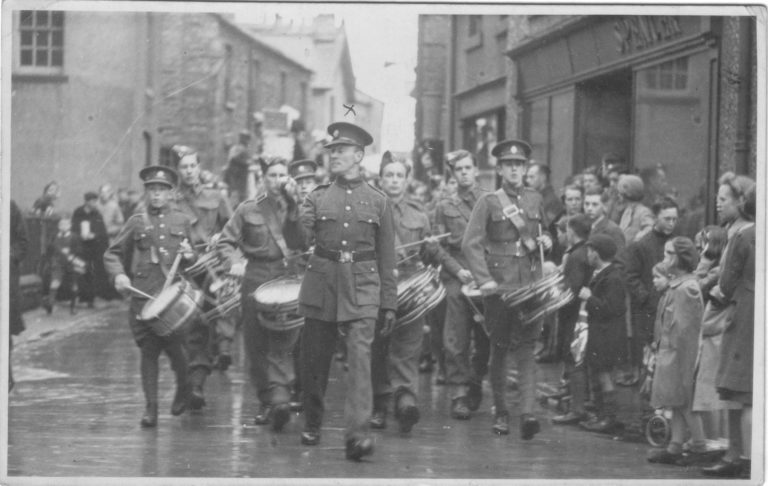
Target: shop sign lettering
[[637, 33]]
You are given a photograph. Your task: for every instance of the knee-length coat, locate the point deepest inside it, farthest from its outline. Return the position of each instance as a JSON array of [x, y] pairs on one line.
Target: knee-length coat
[[676, 334]]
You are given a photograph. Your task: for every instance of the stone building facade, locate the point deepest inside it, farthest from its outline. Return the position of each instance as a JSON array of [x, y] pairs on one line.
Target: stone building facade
[[674, 96]]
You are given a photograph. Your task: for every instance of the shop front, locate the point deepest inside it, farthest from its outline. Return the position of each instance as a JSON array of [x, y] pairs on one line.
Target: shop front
[[643, 87]]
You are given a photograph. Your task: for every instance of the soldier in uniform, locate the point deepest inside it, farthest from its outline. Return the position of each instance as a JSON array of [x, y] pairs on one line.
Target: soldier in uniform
[[463, 375], [395, 357], [349, 283], [150, 240], [209, 212], [501, 246], [256, 228]]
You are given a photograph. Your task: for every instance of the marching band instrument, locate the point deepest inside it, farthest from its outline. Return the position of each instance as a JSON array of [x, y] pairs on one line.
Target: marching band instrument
[[173, 307], [539, 298], [277, 303], [418, 294]]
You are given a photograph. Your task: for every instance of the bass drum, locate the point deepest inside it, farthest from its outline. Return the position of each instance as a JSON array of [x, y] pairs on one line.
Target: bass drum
[[277, 304]]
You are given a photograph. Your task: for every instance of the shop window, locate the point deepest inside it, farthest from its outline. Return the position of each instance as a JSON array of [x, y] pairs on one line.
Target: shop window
[[481, 133], [668, 76], [549, 125], [41, 41]]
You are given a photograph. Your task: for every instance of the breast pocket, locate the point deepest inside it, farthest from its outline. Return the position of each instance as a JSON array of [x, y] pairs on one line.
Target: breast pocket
[[255, 231], [142, 240], [367, 283], [500, 228], [454, 221], [177, 234], [368, 223], [410, 231]]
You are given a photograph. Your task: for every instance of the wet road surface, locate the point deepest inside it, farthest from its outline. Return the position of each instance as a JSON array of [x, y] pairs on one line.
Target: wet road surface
[[76, 407]]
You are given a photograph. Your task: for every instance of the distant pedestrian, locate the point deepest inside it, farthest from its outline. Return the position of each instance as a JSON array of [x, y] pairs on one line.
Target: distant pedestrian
[[636, 220], [19, 249], [63, 267], [110, 210], [88, 227], [45, 205]]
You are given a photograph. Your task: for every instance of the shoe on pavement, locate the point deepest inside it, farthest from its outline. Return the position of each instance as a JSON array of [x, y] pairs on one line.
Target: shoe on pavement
[[196, 398], [474, 395], [501, 424], [725, 469], [459, 409], [378, 419], [149, 419], [356, 449], [407, 416], [180, 400], [604, 425], [570, 418], [529, 426], [310, 437], [264, 415], [281, 415]]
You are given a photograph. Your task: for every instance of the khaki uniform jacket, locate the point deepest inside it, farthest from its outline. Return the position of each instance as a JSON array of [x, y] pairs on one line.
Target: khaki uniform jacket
[[492, 244], [346, 216], [256, 228], [206, 208], [150, 240], [411, 224], [452, 215]]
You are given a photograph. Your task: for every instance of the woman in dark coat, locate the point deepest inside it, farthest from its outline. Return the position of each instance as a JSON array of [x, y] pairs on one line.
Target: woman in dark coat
[[606, 306], [734, 375]]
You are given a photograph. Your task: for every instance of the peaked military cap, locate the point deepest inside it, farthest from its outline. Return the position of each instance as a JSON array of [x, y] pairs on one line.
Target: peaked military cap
[[159, 174], [299, 169], [344, 133], [512, 150]]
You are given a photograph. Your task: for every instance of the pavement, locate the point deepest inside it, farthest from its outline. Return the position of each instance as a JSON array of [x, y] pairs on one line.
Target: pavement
[[75, 412]]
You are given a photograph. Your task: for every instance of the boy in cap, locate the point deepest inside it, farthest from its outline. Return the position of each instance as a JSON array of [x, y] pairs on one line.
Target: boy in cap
[[349, 283], [606, 308], [150, 240], [501, 245]]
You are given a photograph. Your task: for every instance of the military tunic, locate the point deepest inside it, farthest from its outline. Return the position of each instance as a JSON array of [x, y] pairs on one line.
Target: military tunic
[[394, 366], [256, 228], [208, 212], [150, 241], [461, 367], [496, 250], [343, 296]]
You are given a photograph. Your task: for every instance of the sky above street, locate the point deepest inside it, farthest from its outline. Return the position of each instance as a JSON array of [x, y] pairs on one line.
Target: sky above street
[[382, 44]]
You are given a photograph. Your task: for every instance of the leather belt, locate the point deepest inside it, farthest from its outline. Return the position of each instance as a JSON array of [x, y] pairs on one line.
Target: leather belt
[[345, 256]]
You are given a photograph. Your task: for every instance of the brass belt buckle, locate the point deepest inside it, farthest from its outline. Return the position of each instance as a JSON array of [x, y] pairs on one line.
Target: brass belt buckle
[[345, 257]]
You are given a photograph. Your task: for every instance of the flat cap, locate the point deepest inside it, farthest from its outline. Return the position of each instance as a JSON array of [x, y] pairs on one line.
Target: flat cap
[[604, 246], [452, 157], [512, 150], [343, 133], [159, 174]]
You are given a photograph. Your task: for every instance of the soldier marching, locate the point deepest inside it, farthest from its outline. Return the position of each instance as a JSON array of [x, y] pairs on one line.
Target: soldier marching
[[332, 256]]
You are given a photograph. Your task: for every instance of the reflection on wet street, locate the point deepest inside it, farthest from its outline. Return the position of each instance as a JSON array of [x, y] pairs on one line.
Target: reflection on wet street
[[76, 407]]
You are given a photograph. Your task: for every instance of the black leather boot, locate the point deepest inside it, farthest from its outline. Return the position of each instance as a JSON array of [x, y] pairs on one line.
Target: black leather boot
[[149, 419]]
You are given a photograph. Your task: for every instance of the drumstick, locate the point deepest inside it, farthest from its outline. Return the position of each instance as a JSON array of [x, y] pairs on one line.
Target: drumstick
[[174, 268], [422, 241], [541, 250], [139, 292]]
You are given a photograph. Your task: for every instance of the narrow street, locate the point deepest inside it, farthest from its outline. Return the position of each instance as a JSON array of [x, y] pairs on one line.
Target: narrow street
[[76, 407]]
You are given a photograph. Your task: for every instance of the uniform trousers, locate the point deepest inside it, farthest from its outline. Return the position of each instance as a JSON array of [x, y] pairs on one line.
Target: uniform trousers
[[270, 353], [462, 367], [509, 333], [395, 361], [317, 347], [151, 346]]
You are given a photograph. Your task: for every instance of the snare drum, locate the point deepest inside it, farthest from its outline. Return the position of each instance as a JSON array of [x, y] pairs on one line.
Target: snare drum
[[277, 304], [172, 308], [418, 294]]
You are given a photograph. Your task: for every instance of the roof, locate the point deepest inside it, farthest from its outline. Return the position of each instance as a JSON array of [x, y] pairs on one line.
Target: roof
[[269, 46], [324, 53]]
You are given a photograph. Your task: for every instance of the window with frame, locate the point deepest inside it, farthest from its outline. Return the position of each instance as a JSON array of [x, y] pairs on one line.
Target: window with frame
[[41, 40], [668, 76]]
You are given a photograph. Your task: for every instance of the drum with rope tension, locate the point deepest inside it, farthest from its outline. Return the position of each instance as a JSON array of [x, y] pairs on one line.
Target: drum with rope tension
[[277, 303], [539, 298], [172, 308], [418, 294]]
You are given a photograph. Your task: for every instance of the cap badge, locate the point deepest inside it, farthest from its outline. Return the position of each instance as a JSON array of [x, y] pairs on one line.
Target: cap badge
[[335, 134]]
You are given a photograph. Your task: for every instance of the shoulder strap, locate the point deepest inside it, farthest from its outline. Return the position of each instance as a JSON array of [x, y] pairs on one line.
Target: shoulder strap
[[512, 212], [277, 234]]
